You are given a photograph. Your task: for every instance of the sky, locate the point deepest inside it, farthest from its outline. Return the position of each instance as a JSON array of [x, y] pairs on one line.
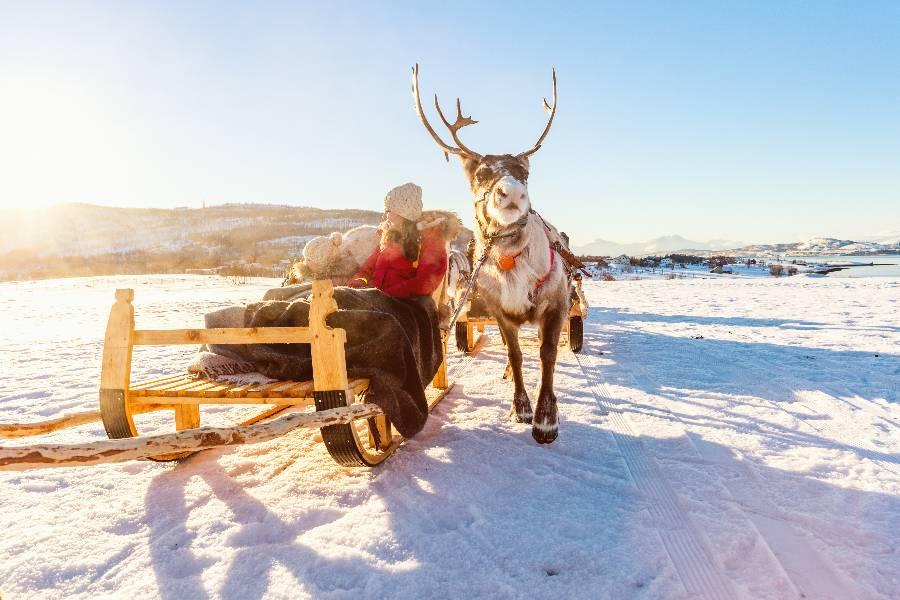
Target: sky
[[751, 121]]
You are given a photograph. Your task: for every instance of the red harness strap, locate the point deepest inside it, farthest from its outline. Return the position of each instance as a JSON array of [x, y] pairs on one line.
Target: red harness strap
[[544, 279]]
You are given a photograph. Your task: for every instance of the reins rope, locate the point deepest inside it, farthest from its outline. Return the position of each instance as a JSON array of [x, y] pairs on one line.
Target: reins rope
[[491, 238]]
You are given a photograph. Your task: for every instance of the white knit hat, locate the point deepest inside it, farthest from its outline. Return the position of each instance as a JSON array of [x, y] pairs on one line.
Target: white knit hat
[[405, 200]]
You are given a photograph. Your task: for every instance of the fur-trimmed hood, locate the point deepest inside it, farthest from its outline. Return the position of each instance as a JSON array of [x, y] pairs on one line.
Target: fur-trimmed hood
[[449, 223]]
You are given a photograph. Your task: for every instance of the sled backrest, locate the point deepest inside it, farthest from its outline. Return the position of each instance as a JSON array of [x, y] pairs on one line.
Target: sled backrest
[[327, 343]]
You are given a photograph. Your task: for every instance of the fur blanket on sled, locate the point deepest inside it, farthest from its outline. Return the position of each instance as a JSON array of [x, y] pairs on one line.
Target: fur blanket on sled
[[393, 342], [339, 256]]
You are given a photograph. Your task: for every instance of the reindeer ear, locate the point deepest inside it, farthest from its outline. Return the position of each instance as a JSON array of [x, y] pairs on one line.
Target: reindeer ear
[[469, 166], [524, 160]]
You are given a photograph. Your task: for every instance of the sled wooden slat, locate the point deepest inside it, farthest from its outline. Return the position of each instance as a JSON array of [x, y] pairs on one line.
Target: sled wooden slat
[[297, 389], [161, 380], [186, 386], [235, 335], [182, 379], [262, 391], [200, 388], [217, 390], [240, 391], [202, 391], [245, 400], [273, 390]]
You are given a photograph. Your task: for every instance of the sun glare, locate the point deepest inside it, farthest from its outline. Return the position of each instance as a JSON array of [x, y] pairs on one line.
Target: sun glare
[[58, 141]]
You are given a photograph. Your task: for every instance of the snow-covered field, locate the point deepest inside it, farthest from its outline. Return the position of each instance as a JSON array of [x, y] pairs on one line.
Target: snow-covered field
[[720, 438]]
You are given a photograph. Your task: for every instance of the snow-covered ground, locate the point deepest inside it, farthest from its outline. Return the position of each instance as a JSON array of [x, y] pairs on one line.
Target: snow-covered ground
[[696, 271], [720, 438]]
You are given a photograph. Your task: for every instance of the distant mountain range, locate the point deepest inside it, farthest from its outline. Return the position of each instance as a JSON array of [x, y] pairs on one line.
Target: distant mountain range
[[660, 245], [823, 247], [674, 243]]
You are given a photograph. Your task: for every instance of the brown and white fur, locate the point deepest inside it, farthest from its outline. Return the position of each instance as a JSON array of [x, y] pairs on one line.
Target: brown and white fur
[[458, 273], [499, 185], [506, 226]]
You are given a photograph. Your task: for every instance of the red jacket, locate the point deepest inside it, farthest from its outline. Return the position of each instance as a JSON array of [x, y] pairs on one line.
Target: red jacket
[[391, 272]]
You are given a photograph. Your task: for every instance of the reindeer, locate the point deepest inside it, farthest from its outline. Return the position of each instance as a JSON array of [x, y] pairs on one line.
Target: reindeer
[[458, 272], [522, 279]]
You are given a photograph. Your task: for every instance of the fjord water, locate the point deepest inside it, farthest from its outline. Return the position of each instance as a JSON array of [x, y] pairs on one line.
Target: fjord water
[[888, 265]]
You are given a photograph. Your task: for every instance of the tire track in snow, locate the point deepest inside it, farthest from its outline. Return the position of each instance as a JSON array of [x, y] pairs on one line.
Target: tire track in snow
[[686, 546]]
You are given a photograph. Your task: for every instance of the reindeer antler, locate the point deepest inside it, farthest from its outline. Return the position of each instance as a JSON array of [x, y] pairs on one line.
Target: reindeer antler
[[552, 111], [460, 123]]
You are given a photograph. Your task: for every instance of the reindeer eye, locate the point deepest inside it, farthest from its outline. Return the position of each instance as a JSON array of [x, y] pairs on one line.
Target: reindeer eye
[[484, 175]]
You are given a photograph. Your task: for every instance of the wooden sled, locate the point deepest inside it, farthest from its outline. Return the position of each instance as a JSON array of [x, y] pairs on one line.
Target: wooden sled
[[361, 442], [469, 322]]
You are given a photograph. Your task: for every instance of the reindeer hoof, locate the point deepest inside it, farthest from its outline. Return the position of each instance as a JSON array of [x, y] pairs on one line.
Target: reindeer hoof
[[544, 433], [521, 416]]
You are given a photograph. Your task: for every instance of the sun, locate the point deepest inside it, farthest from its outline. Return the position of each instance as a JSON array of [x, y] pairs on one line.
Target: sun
[[59, 139]]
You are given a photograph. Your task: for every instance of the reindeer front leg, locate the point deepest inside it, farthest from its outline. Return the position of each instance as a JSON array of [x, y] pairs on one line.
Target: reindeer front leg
[[521, 406], [545, 427]]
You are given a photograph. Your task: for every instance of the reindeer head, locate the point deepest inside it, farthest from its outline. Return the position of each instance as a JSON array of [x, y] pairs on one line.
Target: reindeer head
[[500, 181]]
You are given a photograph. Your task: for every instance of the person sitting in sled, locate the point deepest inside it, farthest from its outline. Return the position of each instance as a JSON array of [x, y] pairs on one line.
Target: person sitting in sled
[[411, 259]]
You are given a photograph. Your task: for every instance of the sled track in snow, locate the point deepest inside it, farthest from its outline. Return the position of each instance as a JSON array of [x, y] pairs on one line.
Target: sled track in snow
[[686, 546]]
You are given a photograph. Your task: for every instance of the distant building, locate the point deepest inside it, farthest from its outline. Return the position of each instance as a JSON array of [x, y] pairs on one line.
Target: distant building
[[622, 259]]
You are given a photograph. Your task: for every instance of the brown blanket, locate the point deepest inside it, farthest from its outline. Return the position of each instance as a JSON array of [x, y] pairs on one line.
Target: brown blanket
[[395, 343]]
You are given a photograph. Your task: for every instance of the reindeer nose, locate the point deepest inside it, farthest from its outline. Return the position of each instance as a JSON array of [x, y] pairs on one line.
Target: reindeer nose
[[507, 195]]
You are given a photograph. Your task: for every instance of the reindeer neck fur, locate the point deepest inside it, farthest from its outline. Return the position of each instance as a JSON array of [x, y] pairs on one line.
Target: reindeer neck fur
[[514, 290]]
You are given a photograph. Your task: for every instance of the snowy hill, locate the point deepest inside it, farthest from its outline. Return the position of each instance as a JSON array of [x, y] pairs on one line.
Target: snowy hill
[[821, 246], [85, 229], [891, 239], [676, 243], [83, 239]]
